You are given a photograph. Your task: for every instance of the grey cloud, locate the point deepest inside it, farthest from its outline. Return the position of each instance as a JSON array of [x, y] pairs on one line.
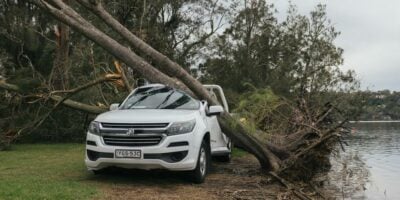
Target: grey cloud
[[370, 37]]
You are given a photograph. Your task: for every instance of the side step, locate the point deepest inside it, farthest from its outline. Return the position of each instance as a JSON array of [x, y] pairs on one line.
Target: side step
[[220, 151]]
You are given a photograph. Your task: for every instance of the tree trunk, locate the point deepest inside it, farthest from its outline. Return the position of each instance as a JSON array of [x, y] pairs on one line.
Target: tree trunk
[[59, 79]]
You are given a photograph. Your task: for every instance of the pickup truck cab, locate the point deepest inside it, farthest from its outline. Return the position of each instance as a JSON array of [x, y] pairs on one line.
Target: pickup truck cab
[[159, 127]]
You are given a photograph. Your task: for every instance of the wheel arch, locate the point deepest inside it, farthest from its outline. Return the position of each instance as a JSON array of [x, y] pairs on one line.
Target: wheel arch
[[207, 138]]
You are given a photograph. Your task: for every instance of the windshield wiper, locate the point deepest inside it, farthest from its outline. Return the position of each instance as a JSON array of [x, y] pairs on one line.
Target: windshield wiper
[[139, 100], [166, 99], [179, 102]]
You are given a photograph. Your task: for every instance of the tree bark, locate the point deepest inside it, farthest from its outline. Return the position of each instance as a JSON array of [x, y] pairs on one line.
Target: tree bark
[[79, 105]]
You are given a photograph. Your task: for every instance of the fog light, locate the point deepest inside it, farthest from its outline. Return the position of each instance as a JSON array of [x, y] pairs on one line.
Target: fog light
[[92, 155], [178, 156]]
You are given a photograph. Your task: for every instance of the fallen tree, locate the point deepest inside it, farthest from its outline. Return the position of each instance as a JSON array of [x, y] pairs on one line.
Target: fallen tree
[[272, 157], [238, 134]]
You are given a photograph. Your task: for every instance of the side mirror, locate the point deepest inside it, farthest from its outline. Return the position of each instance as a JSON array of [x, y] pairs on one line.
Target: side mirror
[[215, 110], [114, 106]]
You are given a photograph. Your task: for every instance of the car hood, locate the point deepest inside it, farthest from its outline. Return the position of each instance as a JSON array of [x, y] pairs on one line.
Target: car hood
[[146, 116]]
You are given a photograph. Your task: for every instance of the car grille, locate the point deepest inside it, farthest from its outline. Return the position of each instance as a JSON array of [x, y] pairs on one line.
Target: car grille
[[132, 141], [146, 134]]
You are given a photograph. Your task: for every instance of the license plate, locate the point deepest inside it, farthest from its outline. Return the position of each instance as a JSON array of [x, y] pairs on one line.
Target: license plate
[[120, 153]]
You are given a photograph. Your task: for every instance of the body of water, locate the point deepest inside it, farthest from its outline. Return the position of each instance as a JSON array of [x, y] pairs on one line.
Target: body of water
[[369, 168]]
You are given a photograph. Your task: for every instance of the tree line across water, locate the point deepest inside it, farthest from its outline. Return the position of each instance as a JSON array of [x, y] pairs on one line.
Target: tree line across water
[[380, 105]]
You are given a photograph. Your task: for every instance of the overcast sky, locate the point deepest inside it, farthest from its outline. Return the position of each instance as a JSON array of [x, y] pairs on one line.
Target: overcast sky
[[370, 37]]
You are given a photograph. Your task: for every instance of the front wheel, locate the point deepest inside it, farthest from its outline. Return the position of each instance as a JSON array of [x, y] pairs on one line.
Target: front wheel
[[198, 175], [100, 171]]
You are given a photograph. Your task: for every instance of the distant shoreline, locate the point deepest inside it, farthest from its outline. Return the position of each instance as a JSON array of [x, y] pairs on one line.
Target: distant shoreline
[[377, 121]]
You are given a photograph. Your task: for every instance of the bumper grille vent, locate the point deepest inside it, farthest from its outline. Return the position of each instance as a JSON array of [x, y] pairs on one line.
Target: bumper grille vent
[[134, 141]]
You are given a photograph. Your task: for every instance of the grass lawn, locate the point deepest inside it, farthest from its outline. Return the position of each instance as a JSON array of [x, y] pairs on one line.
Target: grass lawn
[[57, 171], [238, 152], [45, 171]]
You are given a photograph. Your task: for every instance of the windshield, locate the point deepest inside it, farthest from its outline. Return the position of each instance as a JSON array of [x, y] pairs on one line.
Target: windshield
[[160, 98]]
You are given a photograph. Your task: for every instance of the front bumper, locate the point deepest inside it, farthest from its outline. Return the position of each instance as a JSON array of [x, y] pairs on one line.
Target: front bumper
[[154, 160]]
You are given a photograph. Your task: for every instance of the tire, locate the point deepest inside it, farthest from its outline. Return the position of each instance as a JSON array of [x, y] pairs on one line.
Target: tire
[[199, 174], [100, 171], [224, 158]]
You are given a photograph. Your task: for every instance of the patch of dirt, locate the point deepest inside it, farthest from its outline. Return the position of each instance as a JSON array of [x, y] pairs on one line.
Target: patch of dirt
[[239, 179]]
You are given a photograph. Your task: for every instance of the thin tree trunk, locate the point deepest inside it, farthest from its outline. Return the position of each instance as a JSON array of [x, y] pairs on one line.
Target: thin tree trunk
[[59, 78]]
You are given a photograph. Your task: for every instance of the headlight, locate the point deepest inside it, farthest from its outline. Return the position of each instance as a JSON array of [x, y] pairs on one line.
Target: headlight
[[181, 127], [94, 127]]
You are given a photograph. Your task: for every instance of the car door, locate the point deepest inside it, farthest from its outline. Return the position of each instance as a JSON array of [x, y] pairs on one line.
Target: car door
[[216, 136]]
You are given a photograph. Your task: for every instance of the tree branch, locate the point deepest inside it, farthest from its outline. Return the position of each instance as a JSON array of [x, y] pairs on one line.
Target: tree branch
[[108, 77], [74, 91], [69, 103]]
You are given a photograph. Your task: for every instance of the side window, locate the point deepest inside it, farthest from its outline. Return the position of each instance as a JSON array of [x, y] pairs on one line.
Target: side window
[[215, 96]]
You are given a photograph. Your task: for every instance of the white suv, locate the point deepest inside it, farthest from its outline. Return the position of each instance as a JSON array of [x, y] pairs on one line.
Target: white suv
[[158, 127]]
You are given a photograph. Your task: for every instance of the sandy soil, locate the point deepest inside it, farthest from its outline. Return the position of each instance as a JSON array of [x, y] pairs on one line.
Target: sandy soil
[[240, 179]]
